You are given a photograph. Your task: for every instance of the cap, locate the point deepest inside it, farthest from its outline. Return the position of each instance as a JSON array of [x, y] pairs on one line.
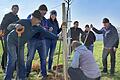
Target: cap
[[37, 14], [53, 12]]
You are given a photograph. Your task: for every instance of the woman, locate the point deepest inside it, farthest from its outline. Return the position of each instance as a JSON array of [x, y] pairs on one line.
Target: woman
[[51, 44]]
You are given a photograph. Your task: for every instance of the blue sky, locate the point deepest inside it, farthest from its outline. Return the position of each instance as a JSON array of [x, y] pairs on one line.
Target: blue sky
[[85, 11]]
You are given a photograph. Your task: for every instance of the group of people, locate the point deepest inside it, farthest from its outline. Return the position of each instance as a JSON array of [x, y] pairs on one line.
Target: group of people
[[41, 34], [84, 66]]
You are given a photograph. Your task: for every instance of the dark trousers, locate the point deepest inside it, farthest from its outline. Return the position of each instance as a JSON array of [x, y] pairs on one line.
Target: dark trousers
[[112, 59], [77, 74], [4, 55], [51, 45]]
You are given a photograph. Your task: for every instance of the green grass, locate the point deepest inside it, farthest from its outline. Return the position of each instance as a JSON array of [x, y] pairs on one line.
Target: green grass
[[97, 53]]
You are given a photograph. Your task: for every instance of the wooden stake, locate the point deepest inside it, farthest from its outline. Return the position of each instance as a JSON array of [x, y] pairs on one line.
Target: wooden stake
[[65, 47]]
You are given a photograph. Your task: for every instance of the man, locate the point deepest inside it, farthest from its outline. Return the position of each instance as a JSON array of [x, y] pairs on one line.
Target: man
[[83, 66], [30, 28], [8, 19], [74, 32], [38, 42], [111, 41], [88, 38]]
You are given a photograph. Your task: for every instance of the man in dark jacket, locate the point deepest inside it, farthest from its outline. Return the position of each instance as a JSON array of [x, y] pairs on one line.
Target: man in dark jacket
[[111, 41], [8, 19], [74, 32], [31, 27], [88, 38], [38, 42]]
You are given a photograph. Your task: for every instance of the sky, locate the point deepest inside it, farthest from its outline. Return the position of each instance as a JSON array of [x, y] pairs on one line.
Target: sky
[[85, 11]]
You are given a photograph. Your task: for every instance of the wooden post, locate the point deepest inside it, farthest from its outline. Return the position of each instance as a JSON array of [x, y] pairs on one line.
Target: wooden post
[[65, 47]]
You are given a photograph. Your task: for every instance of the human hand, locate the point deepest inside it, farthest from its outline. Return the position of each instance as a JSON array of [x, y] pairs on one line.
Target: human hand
[[115, 49], [19, 29], [50, 29], [91, 26], [1, 33]]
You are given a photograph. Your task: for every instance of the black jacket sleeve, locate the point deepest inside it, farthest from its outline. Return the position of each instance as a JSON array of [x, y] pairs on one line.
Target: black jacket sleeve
[[83, 37], [94, 37], [59, 30], [81, 31], [4, 22], [116, 44], [97, 31]]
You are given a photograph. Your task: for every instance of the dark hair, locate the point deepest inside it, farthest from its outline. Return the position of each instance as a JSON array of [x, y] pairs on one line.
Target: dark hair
[[43, 7], [75, 22], [37, 14], [15, 6], [106, 20], [87, 26], [54, 20]]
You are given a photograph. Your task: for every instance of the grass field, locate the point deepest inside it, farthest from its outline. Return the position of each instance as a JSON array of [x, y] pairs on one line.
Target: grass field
[[97, 53]]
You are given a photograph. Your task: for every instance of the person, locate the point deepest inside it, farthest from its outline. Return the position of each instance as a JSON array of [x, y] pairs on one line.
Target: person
[[75, 32], [51, 44], [88, 38], [30, 27], [9, 18], [83, 65], [111, 41], [38, 42]]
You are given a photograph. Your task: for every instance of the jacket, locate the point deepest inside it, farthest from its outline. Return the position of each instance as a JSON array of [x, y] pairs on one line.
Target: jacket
[[29, 32], [90, 39], [8, 19], [110, 36]]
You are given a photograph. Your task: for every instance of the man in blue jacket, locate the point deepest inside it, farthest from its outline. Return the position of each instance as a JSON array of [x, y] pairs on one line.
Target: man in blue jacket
[[38, 42], [9, 18], [111, 41], [31, 27]]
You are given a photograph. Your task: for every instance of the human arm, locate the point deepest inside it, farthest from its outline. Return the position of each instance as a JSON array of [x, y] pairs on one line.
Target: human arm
[[76, 59], [96, 30], [29, 16], [4, 22], [94, 37], [46, 33]]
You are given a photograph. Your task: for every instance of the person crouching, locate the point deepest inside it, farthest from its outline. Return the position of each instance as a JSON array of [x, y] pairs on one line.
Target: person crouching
[[83, 66]]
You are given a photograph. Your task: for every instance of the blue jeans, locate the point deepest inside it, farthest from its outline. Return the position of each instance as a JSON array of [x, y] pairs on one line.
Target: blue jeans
[[12, 59], [40, 46], [51, 45], [91, 47]]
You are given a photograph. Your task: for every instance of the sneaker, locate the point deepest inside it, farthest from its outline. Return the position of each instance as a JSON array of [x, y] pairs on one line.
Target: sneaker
[[112, 74], [105, 72], [44, 78], [51, 71], [112, 71], [27, 75]]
